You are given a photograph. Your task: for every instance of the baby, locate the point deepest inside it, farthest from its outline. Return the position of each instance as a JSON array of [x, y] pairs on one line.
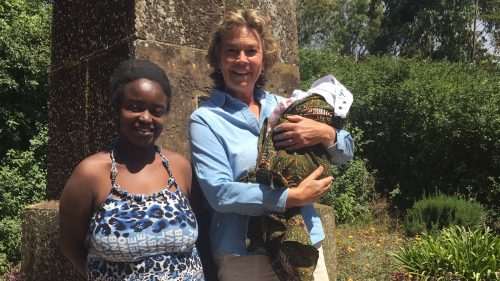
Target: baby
[[284, 236], [334, 93]]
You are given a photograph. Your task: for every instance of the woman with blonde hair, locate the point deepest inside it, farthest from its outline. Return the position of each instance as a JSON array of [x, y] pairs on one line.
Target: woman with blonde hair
[[224, 133]]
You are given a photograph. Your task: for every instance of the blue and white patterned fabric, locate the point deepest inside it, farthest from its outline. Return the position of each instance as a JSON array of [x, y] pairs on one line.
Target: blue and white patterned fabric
[[139, 237]]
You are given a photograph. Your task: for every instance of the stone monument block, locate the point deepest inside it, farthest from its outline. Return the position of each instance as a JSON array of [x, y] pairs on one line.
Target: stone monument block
[[42, 259], [90, 38], [102, 117], [68, 138], [80, 29]]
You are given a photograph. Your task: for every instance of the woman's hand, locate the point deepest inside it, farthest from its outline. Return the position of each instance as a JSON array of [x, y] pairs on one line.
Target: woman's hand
[[309, 190], [301, 132]]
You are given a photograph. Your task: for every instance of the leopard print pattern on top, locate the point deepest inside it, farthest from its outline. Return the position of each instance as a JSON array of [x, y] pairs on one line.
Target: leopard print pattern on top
[[284, 236], [144, 237]]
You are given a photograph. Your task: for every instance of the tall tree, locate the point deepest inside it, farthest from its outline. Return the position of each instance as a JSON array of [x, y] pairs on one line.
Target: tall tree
[[488, 13], [435, 29], [458, 30], [344, 26]]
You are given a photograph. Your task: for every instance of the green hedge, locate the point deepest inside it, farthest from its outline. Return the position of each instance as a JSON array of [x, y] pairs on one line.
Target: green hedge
[[426, 125]]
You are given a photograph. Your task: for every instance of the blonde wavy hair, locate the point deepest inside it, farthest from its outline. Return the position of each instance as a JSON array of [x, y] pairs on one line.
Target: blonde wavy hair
[[250, 18]]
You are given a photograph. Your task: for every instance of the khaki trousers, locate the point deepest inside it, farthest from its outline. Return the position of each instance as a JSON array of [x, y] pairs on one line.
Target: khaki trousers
[[258, 268]]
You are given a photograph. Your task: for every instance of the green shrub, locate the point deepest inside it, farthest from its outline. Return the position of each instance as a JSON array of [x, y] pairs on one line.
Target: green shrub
[[432, 214], [351, 193], [425, 124], [10, 231], [455, 254], [22, 182]]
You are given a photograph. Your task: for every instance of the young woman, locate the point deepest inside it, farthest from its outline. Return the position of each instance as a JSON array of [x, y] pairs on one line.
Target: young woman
[[131, 201]]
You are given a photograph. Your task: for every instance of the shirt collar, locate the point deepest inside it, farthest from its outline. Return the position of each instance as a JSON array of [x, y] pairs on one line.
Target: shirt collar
[[219, 97]]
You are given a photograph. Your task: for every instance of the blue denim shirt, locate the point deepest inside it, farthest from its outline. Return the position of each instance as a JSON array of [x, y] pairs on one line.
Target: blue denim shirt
[[224, 134]]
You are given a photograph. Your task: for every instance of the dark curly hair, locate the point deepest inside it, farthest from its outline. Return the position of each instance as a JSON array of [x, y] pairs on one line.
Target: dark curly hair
[[134, 69]]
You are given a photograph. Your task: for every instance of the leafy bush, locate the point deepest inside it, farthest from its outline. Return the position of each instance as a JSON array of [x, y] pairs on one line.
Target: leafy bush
[[492, 204], [425, 124], [10, 231], [24, 87], [455, 254], [22, 182], [432, 214], [351, 193]]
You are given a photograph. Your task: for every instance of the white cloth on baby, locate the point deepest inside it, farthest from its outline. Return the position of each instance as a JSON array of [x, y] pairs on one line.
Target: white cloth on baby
[[330, 88], [333, 91]]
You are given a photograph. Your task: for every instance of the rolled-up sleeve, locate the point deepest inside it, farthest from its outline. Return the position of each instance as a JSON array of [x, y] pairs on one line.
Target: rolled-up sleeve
[[209, 155], [343, 150]]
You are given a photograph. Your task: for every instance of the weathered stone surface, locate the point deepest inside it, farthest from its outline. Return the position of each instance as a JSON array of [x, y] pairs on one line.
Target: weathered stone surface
[[81, 118], [329, 245], [84, 28], [42, 259], [102, 125], [68, 143], [181, 22], [282, 79]]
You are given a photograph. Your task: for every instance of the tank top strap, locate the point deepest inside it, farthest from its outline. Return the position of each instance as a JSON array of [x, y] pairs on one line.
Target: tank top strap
[[171, 180], [114, 171]]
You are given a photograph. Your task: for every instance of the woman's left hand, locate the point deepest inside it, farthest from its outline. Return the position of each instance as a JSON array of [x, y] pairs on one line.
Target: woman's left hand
[[301, 132]]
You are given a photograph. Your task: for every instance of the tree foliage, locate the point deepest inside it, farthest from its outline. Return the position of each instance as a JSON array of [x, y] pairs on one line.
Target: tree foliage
[[22, 182], [344, 26], [24, 86], [24, 70], [458, 31]]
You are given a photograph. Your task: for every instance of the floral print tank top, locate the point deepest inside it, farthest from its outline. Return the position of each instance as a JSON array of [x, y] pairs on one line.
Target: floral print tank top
[[144, 237]]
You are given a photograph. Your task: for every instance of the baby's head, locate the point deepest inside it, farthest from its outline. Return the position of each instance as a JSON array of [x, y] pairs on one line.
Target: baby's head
[[334, 93]]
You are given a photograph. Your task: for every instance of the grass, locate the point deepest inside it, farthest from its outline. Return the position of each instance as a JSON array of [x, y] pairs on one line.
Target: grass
[[362, 251]]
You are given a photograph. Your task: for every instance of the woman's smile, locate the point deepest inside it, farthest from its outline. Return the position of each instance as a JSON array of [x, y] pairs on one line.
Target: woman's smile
[[241, 61]]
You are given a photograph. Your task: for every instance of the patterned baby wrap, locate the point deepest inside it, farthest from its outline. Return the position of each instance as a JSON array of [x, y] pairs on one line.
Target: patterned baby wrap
[[139, 237], [284, 236]]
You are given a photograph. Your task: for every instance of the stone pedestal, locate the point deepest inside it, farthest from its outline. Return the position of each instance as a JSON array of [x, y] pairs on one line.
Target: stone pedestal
[[42, 260], [329, 245]]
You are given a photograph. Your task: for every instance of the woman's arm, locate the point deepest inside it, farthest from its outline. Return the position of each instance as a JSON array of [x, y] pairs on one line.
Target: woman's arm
[[75, 210], [215, 175]]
